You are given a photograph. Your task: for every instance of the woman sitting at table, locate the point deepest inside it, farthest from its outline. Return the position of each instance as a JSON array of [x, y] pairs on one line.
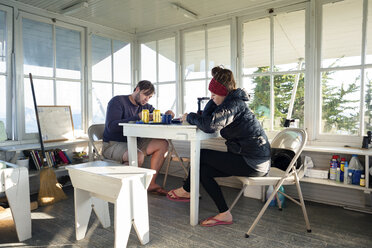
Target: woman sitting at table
[[247, 144]]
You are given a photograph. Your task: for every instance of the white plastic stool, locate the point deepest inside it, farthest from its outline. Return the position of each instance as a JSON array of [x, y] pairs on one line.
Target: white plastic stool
[[99, 182], [14, 182]]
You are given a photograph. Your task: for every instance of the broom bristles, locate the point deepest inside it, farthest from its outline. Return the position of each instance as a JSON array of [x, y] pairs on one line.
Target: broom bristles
[[50, 190]]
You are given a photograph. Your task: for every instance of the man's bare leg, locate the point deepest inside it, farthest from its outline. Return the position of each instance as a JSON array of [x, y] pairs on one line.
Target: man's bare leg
[[140, 156], [158, 148]]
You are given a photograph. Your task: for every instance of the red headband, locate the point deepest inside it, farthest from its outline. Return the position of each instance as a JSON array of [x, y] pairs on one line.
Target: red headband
[[217, 88]]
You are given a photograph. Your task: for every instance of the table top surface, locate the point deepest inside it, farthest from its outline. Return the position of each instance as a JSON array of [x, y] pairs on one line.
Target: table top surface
[[160, 125]]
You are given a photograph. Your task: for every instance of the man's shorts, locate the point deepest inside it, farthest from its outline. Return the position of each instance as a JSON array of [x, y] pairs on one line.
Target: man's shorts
[[115, 150]]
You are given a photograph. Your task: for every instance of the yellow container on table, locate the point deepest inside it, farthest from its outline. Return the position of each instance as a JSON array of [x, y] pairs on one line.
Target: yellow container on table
[[157, 116], [145, 115]]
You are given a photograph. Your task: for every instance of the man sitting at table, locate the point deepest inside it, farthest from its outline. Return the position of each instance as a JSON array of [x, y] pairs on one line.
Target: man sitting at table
[[125, 108]]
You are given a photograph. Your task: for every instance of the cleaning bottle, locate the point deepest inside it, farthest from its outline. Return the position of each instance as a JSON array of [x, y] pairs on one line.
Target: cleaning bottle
[[268, 194], [346, 169], [333, 168], [356, 168], [281, 196], [342, 165]]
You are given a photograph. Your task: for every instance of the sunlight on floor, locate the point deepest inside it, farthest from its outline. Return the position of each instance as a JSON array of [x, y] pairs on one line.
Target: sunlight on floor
[[41, 216]]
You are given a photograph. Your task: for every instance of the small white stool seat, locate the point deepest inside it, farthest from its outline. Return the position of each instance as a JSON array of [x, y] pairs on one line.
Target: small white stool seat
[[14, 182], [99, 182]]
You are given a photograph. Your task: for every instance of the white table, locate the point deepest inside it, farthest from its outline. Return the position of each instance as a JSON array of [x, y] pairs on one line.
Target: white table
[[177, 132], [14, 182], [99, 182]]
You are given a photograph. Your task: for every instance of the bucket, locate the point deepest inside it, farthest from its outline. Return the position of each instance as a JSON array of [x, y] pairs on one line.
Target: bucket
[[23, 162]]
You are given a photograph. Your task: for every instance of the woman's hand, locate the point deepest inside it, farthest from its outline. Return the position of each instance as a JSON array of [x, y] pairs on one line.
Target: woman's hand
[[184, 117]]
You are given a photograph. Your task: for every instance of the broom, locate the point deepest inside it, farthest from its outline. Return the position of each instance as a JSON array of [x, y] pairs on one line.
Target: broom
[[50, 190]]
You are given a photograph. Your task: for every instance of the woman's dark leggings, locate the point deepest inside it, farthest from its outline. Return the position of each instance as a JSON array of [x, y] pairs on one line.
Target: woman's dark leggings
[[220, 164]]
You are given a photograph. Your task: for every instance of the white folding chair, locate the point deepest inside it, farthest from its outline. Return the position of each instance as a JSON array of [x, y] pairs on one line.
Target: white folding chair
[[95, 134], [290, 139], [173, 156]]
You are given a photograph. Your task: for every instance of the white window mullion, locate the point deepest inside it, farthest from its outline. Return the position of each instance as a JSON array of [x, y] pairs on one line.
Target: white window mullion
[[157, 73], [272, 97], [112, 68], [179, 73], [206, 58], [362, 71], [54, 64]]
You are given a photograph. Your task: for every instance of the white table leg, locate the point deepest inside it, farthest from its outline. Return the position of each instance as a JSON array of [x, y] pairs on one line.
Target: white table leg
[[123, 216], [17, 191], [140, 211], [101, 209], [83, 209], [194, 180], [132, 151]]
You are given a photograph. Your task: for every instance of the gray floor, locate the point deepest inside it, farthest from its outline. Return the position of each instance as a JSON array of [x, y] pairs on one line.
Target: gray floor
[[53, 226]]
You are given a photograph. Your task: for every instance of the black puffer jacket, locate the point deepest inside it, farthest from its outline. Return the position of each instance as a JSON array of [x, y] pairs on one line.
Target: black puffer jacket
[[236, 123]]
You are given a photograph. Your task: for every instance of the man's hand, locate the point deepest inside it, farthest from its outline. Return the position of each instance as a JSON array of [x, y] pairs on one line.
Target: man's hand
[[169, 112]]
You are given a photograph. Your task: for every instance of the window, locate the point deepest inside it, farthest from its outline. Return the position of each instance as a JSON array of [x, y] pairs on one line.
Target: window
[[158, 65], [5, 48], [212, 43], [345, 69], [53, 54], [273, 52], [111, 73]]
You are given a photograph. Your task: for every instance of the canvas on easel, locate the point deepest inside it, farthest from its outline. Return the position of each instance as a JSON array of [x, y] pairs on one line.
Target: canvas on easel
[[56, 123]]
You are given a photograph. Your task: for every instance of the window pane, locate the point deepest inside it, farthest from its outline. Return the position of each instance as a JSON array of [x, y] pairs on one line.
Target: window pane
[[369, 34], [283, 87], [68, 53], [219, 48], [44, 96], [122, 67], [69, 93], [259, 91], [167, 97], [341, 100], [289, 40], [342, 33], [194, 55], [193, 90], [101, 95], [167, 60], [37, 39], [368, 101], [3, 44], [256, 45], [122, 89], [148, 61], [3, 99], [101, 59]]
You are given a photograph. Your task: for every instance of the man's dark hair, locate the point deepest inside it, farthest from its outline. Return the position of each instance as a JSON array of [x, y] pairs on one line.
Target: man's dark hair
[[146, 86]]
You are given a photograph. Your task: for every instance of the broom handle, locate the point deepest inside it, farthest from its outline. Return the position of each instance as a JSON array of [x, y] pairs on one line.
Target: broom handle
[[38, 122]]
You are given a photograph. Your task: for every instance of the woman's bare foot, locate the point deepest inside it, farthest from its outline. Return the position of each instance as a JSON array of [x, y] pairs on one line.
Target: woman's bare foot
[[223, 217], [180, 192]]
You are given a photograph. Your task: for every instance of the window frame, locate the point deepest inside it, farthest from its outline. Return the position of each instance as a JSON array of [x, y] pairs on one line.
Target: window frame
[[90, 80], [206, 78], [9, 75], [21, 134], [320, 137], [156, 39], [240, 75]]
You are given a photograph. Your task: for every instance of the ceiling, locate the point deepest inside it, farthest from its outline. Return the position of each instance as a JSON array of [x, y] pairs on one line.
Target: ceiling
[[140, 16]]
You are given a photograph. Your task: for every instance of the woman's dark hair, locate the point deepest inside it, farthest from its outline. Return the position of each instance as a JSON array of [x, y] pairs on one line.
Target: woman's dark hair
[[146, 86], [224, 77]]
